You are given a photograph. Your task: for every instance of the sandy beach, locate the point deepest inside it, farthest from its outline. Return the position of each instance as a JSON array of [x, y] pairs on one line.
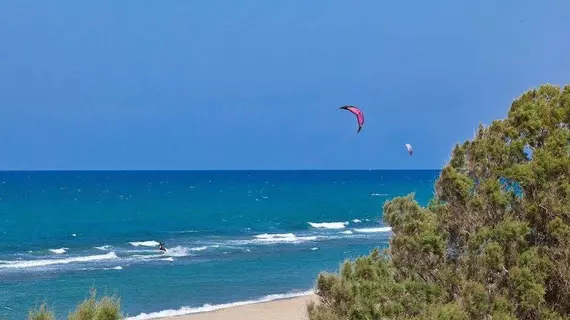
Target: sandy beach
[[285, 309]]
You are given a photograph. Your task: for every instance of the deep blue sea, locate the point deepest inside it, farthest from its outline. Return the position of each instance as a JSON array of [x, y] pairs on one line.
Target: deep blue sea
[[232, 236]]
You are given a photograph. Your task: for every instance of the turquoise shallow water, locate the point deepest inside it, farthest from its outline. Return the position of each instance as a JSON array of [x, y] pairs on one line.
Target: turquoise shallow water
[[232, 236]]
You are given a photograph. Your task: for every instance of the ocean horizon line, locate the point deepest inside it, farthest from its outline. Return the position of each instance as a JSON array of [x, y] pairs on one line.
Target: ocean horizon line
[[206, 170]]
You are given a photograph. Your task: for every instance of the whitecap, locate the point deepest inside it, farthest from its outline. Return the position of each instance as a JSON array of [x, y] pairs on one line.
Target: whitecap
[[275, 236], [357, 221], [114, 268], [146, 256], [103, 248], [47, 262], [315, 248], [346, 232], [329, 225], [59, 251], [177, 251], [150, 243], [282, 237]]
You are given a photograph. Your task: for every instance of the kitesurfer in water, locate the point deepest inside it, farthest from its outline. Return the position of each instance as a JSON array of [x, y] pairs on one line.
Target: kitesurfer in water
[[161, 247]]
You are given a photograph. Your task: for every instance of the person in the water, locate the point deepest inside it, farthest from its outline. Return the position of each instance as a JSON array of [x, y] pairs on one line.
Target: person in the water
[[161, 247]]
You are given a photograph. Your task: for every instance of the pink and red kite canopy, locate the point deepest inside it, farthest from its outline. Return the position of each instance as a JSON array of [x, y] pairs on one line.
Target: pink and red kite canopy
[[358, 113]]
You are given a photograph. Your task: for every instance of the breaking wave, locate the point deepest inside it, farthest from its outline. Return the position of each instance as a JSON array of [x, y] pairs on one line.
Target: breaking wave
[[47, 262], [143, 251], [151, 243], [282, 237], [199, 248], [329, 225], [177, 251], [59, 251], [208, 307]]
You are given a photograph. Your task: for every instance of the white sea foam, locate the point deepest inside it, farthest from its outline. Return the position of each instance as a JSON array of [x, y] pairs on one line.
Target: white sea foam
[[199, 248], [356, 220], [114, 268], [282, 237], [379, 194], [209, 307], [47, 262], [275, 236], [346, 232], [373, 230], [142, 251], [146, 256], [329, 225], [178, 251], [103, 248], [315, 248], [150, 243], [167, 259], [59, 251]]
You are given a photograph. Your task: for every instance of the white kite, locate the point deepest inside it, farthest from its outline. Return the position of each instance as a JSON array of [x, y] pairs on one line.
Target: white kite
[[410, 150]]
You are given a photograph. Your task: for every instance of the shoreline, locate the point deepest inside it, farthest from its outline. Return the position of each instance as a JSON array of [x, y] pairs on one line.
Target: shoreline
[[290, 306], [281, 309]]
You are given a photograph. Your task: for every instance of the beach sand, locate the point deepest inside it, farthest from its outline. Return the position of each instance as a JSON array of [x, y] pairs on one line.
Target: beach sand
[[285, 309]]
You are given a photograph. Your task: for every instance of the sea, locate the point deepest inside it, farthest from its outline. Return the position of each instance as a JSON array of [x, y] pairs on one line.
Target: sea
[[232, 237]]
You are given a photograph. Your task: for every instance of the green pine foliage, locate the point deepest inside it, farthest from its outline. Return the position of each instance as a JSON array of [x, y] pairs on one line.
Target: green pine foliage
[[493, 243]]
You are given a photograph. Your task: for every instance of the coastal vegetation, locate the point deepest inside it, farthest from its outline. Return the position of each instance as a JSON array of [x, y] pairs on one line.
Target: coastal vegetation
[[105, 308], [493, 243]]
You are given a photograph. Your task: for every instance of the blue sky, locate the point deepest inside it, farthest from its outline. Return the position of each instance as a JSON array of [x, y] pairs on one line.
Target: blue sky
[[257, 84]]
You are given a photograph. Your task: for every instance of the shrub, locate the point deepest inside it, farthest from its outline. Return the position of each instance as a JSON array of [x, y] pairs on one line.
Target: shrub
[[492, 243], [42, 313], [107, 308]]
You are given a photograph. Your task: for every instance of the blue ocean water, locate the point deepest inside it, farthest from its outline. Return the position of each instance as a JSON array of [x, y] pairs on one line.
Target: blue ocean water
[[232, 236]]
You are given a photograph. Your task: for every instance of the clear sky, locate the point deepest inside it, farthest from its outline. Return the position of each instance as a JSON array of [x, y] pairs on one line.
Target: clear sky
[[243, 84]]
